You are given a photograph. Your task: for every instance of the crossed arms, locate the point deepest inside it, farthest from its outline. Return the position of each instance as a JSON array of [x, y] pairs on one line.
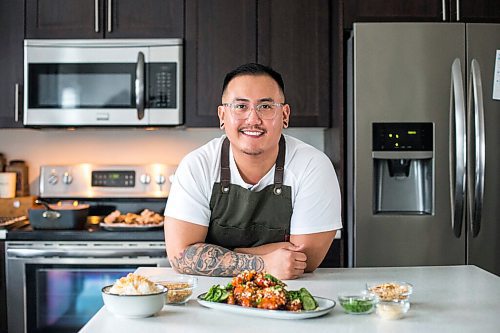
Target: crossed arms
[[189, 254]]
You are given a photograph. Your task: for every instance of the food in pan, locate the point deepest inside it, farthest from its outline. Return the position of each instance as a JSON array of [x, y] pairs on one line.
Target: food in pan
[[263, 291], [146, 217], [134, 284]]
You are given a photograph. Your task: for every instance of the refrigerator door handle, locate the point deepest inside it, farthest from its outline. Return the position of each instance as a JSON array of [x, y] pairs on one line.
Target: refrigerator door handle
[[457, 151], [476, 149]]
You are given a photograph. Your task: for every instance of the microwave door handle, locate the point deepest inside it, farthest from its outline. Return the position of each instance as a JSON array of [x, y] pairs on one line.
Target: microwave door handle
[[457, 151], [476, 150], [139, 85]]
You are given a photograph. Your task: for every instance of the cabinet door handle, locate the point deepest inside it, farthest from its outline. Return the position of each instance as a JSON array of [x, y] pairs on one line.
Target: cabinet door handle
[[16, 103], [96, 15], [110, 16], [458, 10], [443, 6]]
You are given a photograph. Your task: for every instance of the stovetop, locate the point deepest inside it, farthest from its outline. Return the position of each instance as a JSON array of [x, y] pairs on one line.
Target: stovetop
[[90, 233]]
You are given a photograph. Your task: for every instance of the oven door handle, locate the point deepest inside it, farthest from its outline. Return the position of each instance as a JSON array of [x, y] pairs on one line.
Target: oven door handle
[[70, 253]]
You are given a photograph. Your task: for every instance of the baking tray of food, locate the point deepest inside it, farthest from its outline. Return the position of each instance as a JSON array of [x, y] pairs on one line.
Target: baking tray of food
[[144, 221]]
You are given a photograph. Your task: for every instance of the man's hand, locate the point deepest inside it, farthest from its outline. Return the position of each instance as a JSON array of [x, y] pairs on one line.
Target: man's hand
[[287, 262], [263, 249]]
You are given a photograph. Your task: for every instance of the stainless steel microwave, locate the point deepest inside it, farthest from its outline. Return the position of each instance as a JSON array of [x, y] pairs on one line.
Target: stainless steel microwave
[[108, 82]]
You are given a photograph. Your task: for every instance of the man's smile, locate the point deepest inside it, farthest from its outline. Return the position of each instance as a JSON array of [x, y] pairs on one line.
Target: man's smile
[[253, 132]]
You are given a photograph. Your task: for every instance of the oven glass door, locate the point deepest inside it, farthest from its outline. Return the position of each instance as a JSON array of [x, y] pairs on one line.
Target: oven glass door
[[63, 298], [82, 86]]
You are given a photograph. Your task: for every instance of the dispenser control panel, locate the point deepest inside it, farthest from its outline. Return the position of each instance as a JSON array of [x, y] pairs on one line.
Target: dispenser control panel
[[402, 136]]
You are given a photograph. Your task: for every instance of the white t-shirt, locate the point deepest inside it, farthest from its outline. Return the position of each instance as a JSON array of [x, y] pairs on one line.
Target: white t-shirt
[[316, 200]]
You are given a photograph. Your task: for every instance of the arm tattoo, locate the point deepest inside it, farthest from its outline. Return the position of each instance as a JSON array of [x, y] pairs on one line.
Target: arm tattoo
[[213, 260]]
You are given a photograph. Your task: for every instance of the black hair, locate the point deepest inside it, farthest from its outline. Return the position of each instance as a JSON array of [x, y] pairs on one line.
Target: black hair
[[254, 69]]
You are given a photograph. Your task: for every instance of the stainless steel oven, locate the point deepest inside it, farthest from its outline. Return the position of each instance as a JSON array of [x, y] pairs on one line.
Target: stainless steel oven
[[54, 277], [55, 286], [122, 82]]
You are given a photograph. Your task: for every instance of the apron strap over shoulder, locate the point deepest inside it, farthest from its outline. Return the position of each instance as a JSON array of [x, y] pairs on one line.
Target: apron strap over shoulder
[[225, 172], [280, 167]]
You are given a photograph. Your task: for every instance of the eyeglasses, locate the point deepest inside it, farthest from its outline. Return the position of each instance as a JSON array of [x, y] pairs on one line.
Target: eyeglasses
[[265, 110]]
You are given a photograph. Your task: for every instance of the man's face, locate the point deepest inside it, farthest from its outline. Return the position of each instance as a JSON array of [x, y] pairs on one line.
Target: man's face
[[253, 135]]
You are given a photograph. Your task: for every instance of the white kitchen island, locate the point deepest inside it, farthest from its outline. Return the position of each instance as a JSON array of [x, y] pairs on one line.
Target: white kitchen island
[[445, 299]]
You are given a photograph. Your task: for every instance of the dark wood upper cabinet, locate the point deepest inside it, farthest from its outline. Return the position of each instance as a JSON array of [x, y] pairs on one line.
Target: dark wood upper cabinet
[[104, 18], [295, 41], [11, 66], [392, 10], [220, 35], [144, 18], [487, 11]]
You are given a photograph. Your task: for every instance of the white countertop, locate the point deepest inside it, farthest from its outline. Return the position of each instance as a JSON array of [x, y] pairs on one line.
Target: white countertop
[[445, 299]]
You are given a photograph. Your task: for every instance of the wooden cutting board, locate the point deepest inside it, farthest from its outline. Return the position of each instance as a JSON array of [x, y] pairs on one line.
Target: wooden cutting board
[[18, 206]]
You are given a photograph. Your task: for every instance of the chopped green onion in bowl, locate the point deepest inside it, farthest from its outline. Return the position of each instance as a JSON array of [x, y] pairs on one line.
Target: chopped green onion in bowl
[[358, 302]]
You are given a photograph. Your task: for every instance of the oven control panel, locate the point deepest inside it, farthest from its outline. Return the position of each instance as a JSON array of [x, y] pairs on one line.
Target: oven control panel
[[105, 181], [113, 178]]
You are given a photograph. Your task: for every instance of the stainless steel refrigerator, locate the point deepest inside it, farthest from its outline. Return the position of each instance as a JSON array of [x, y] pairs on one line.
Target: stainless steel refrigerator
[[423, 164]]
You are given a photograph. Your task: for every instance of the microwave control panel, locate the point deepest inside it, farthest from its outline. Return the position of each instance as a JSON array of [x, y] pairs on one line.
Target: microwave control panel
[[163, 85]]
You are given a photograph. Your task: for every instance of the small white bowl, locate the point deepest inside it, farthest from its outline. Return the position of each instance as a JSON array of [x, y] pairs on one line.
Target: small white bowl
[[134, 306], [391, 310]]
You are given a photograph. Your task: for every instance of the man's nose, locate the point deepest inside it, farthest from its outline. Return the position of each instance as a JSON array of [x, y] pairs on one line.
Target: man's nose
[[253, 116]]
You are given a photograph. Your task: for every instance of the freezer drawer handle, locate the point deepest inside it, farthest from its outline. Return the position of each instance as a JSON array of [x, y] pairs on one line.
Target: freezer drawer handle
[[457, 152], [476, 149]]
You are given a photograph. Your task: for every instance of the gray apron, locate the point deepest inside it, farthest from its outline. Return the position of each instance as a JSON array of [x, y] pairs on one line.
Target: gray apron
[[242, 218]]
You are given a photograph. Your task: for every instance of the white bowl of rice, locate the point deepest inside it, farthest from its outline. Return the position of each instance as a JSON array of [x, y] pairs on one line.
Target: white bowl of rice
[[134, 296]]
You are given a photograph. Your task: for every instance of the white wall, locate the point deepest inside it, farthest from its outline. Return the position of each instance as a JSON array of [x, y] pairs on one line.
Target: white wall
[[113, 146]]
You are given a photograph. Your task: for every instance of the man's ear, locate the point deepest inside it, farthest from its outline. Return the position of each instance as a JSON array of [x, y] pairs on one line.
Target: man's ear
[[221, 112], [286, 115]]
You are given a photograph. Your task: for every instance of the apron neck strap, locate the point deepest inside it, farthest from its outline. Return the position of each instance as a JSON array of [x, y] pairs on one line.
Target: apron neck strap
[[225, 172], [280, 166]]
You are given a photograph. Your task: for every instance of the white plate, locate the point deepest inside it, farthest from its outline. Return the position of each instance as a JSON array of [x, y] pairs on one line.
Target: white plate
[[325, 305], [129, 227]]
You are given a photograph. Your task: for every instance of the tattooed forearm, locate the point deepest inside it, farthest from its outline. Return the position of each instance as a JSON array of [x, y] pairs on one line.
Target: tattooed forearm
[[213, 260]]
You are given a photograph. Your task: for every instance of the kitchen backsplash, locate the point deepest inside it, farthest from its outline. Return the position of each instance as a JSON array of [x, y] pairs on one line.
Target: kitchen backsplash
[[113, 146]]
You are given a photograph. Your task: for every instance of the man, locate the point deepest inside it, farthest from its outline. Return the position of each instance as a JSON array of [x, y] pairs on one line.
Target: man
[[254, 198]]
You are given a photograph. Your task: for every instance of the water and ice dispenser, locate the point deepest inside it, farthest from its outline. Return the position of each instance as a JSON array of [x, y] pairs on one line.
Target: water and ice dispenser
[[403, 168]]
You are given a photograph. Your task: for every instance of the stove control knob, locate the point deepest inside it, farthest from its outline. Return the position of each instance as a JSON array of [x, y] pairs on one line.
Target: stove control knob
[[67, 178], [160, 179], [53, 179], [145, 179]]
